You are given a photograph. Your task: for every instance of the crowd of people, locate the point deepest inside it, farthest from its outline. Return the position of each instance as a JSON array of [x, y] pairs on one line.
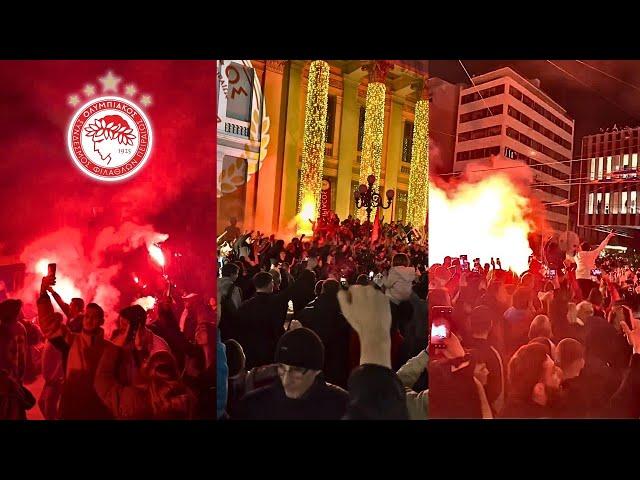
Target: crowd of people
[[558, 341], [155, 365], [329, 326]]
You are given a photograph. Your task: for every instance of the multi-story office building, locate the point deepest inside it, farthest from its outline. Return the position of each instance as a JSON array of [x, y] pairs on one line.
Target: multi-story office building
[[504, 114], [606, 183]]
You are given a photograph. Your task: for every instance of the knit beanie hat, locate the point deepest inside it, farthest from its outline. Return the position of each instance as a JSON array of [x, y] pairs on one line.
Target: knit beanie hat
[[300, 348]]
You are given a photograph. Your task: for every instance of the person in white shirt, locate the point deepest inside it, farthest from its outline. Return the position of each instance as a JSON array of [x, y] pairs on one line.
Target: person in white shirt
[[586, 261]]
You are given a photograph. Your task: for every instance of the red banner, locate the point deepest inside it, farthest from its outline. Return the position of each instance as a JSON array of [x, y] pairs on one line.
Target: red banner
[[325, 199]]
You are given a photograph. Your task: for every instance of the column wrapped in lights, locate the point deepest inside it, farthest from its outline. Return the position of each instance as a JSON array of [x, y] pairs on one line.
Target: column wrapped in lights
[[373, 135], [418, 197], [313, 148]]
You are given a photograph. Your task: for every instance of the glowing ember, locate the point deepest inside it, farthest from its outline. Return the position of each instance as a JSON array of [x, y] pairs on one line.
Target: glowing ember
[[486, 219], [146, 302], [156, 254]]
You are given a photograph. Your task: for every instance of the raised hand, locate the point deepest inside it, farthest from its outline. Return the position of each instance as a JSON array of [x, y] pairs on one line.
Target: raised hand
[[453, 347], [368, 312]]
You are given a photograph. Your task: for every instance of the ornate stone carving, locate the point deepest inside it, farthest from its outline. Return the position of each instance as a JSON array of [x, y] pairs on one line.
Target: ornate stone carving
[[378, 70]]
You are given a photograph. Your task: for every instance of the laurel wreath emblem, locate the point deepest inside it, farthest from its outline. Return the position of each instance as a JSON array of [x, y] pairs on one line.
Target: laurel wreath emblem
[[110, 131]]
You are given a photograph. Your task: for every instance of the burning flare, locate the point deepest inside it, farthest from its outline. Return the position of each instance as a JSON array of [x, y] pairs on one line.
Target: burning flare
[[307, 212], [156, 253], [489, 218]]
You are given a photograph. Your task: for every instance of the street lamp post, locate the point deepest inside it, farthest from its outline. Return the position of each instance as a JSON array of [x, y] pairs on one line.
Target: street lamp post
[[366, 197]]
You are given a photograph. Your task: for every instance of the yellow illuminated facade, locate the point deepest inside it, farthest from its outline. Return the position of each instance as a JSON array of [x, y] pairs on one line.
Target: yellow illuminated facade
[[287, 143]]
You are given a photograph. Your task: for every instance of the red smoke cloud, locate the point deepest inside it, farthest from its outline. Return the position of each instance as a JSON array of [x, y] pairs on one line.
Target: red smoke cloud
[[51, 210]]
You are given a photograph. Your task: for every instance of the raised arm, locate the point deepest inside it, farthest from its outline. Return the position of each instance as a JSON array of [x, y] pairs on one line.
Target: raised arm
[[61, 303], [411, 371], [605, 242], [50, 322]]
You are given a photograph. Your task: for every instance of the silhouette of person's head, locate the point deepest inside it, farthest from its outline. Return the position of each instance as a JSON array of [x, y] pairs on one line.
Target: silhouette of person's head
[[109, 133]]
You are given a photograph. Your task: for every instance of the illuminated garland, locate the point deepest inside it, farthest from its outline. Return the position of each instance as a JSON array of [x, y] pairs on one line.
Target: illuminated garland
[[313, 149], [373, 135], [418, 199]]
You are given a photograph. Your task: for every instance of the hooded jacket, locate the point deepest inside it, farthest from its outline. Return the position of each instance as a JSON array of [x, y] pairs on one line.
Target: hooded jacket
[[134, 355], [399, 282]]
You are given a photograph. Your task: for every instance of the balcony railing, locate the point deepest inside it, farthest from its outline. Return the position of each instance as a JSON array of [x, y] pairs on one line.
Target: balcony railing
[[234, 129]]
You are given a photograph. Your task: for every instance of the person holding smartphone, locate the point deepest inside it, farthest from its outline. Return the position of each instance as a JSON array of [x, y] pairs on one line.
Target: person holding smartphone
[[81, 353], [454, 391]]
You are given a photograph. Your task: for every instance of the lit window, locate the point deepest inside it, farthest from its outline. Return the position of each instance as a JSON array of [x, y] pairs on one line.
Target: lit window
[[634, 160], [592, 174], [590, 205], [606, 203], [632, 206], [624, 203], [599, 202], [600, 167], [615, 202]]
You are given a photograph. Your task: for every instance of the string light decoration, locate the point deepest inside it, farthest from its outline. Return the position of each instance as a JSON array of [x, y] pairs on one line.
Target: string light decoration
[[373, 135], [418, 198], [313, 148]]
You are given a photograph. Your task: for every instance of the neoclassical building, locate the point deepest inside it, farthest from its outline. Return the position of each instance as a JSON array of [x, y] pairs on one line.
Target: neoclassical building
[[265, 147]]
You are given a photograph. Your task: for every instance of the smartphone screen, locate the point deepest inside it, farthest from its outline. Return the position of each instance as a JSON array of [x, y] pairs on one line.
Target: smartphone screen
[[439, 333], [51, 269], [440, 319]]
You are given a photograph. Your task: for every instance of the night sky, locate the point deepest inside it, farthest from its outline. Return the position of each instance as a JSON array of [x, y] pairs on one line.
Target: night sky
[[592, 98]]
